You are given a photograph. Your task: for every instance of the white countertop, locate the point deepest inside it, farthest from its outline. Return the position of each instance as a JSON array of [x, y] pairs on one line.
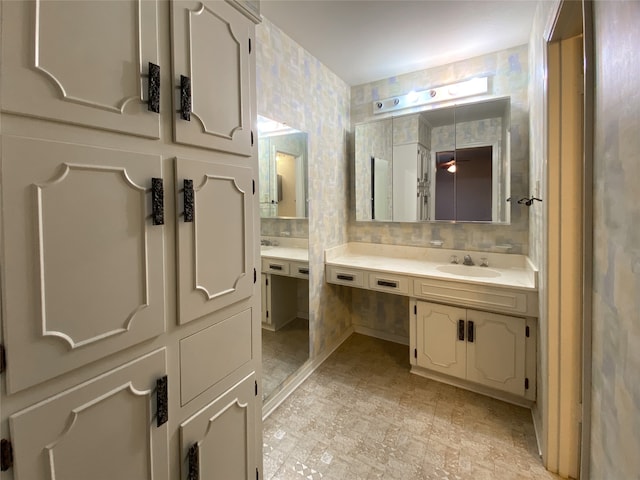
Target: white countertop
[[510, 270], [285, 253]]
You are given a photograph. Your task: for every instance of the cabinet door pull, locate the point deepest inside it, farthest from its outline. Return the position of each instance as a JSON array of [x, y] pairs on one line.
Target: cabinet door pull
[[275, 267], [461, 330], [188, 200], [303, 271], [153, 104], [162, 401], [185, 98], [157, 201], [193, 457], [387, 283], [470, 331], [342, 276]]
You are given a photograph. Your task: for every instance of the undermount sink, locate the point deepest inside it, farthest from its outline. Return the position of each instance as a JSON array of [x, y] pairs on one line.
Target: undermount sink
[[468, 271]]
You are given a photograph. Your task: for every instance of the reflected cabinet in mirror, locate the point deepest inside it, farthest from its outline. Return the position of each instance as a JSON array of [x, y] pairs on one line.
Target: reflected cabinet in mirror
[[282, 158], [447, 164], [284, 250]]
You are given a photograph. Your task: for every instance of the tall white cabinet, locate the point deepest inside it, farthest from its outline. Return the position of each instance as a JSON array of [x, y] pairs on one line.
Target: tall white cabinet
[[130, 304]]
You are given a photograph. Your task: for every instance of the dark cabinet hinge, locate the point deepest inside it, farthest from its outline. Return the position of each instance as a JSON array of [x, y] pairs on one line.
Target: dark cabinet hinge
[[162, 401], [3, 359], [267, 313], [526, 384], [6, 455], [415, 353], [249, 46], [254, 187], [252, 138], [266, 281], [256, 382], [526, 331], [255, 275]]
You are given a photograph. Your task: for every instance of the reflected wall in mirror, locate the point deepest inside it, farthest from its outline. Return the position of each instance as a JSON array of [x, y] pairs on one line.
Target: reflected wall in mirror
[[284, 250], [282, 159], [448, 164]]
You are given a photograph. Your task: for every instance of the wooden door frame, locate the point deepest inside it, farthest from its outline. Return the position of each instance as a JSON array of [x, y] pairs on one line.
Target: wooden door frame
[[571, 336]]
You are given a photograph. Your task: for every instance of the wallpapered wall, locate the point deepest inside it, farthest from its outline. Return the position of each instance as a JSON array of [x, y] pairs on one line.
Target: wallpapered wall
[[295, 88], [509, 72], [537, 48], [615, 416]]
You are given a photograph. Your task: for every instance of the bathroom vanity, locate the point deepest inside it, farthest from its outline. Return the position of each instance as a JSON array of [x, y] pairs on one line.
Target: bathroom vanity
[[284, 261], [472, 326]]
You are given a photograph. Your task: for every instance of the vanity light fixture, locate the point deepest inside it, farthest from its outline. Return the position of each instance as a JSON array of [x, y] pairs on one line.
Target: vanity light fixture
[[474, 86], [452, 168]]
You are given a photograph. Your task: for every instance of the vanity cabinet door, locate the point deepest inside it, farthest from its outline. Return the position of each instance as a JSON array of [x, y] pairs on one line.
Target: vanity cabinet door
[[496, 356], [81, 62], [104, 429], [83, 263], [218, 442], [211, 43], [440, 347], [215, 236]]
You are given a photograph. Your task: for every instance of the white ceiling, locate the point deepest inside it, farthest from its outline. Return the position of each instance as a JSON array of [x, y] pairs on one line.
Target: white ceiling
[[366, 40]]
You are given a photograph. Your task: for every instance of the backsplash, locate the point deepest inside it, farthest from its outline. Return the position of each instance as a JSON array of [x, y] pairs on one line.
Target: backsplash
[[509, 74]]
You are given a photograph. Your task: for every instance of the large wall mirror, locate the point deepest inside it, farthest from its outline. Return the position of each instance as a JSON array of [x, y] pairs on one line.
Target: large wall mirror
[[445, 164], [282, 158]]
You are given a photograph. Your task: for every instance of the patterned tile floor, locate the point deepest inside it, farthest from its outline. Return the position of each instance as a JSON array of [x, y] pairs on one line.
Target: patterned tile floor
[[362, 415]]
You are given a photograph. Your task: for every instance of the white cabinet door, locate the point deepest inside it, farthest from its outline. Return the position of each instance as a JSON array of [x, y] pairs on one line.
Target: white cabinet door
[[104, 429], [440, 346], [219, 442], [496, 356], [82, 262], [81, 62], [215, 237], [211, 42]]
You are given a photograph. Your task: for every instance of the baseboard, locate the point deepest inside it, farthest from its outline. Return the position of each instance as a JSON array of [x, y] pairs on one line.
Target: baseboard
[[537, 428], [474, 387], [293, 382], [381, 335]]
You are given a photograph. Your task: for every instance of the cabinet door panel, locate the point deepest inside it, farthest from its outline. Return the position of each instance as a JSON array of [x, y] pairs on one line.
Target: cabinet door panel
[[211, 47], [69, 66], [496, 357], [222, 435], [83, 265], [209, 355], [439, 347], [215, 254], [103, 429]]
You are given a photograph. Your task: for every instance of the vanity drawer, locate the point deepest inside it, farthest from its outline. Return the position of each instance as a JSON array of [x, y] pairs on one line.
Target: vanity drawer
[[345, 276], [485, 298], [385, 282], [277, 267], [299, 269]]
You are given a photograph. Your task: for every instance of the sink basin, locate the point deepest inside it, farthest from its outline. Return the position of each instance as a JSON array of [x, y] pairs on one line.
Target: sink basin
[[468, 271]]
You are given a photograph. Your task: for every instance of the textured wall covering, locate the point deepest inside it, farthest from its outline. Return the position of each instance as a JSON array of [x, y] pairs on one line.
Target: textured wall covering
[[295, 88], [537, 157], [615, 416], [510, 76]]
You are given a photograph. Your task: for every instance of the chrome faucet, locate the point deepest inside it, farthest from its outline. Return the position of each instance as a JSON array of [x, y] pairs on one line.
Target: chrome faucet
[[467, 260]]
